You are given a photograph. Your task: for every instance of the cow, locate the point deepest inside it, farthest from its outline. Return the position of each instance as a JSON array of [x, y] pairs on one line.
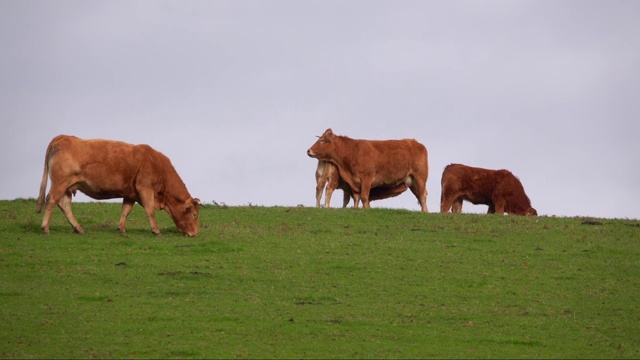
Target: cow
[[367, 164], [327, 174], [107, 169], [499, 189]]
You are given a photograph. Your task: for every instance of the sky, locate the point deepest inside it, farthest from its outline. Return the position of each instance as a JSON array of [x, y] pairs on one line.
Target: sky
[[235, 92]]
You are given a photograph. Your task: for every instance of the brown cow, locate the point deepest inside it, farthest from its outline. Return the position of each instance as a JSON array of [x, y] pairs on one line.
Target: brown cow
[[105, 169], [366, 164], [499, 189], [327, 174]]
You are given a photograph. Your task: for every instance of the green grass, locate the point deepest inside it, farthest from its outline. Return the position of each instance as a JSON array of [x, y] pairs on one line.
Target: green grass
[[275, 282]]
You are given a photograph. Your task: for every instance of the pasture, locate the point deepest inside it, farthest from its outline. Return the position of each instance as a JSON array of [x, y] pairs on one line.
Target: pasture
[[278, 282]]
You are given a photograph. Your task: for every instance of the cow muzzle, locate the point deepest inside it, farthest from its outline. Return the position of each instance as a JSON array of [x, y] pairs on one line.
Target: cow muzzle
[[310, 153]]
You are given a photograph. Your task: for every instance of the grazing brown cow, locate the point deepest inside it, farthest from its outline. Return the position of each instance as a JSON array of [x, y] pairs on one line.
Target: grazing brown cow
[[105, 169], [499, 189], [367, 164], [327, 174]]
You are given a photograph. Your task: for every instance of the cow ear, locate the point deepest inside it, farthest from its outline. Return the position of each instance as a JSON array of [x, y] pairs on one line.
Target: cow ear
[[328, 135], [190, 204]]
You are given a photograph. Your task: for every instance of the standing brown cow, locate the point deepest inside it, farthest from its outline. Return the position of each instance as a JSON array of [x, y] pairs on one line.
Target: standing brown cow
[[366, 164], [327, 174], [499, 189], [105, 169]]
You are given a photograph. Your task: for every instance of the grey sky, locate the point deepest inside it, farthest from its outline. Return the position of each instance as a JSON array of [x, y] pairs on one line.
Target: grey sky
[[234, 92]]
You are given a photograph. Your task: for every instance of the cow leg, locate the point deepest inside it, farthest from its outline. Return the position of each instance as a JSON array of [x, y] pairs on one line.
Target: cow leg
[[447, 200], [48, 210], [445, 205], [499, 207], [127, 206], [346, 197], [65, 205], [333, 182], [457, 206], [419, 189], [365, 190], [319, 189], [53, 198], [321, 181], [327, 197], [356, 200], [147, 201], [492, 209], [152, 221]]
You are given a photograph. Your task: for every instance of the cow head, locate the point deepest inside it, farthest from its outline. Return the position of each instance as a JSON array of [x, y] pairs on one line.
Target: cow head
[[186, 216], [323, 147], [524, 211]]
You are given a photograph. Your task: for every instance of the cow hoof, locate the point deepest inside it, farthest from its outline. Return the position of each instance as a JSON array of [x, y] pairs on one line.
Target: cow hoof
[[122, 231], [157, 233], [46, 232], [78, 230]]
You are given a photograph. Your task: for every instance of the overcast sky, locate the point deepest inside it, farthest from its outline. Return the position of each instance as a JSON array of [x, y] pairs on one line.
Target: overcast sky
[[234, 92]]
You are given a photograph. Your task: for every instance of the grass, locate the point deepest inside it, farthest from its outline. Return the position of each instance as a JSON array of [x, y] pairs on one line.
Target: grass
[[275, 282]]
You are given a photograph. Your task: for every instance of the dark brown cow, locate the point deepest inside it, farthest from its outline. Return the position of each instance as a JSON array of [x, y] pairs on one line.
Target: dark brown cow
[[327, 174], [105, 169], [499, 189], [367, 164]]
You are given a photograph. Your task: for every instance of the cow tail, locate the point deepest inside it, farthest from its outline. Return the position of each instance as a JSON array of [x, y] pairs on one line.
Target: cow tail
[[45, 178]]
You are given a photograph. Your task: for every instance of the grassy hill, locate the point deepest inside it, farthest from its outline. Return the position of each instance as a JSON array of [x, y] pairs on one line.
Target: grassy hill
[[275, 282]]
